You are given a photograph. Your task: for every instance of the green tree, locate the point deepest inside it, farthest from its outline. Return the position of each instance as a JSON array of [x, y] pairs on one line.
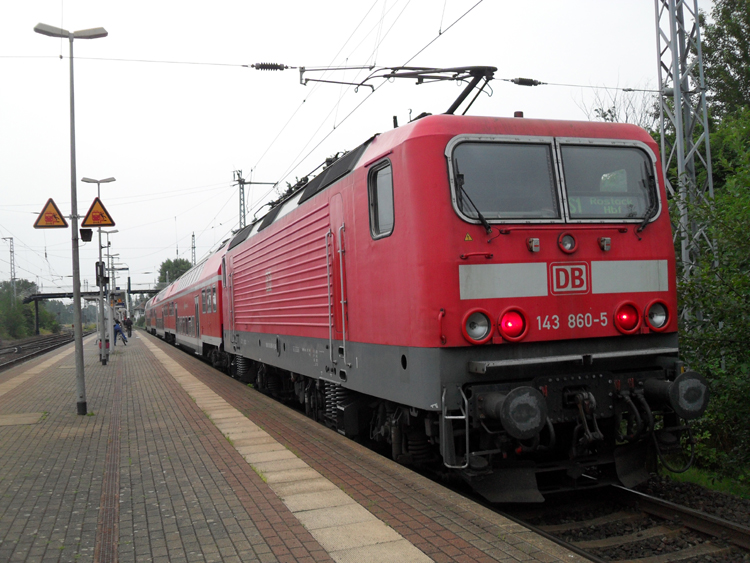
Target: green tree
[[716, 336], [47, 320], [726, 55], [173, 268], [16, 319], [12, 321], [60, 311]]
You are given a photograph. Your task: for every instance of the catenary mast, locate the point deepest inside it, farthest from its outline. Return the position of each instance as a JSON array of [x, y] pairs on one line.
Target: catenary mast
[[685, 148]]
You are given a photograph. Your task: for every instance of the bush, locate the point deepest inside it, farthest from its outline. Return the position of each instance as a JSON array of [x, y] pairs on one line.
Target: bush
[[716, 335]]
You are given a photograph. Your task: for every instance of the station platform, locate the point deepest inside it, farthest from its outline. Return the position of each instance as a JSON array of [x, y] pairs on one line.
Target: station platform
[[176, 462]]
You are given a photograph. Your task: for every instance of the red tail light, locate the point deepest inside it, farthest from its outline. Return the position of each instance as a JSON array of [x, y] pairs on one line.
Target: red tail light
[[513, 325], [627, 319]]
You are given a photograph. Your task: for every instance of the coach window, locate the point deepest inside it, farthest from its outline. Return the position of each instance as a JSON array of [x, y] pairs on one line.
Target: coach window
[[380, 187], [213, 291]]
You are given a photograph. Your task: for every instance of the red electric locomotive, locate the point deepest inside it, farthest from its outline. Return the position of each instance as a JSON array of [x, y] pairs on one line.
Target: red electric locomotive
[[497, 294], [491, 296]]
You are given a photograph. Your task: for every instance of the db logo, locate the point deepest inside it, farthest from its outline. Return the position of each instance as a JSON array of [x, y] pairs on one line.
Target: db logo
[[570, 277]]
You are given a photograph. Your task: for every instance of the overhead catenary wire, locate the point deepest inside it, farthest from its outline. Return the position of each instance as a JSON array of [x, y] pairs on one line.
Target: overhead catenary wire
[[296, 162], [375, 89], [241, 65], [534, 82], [314, 88]]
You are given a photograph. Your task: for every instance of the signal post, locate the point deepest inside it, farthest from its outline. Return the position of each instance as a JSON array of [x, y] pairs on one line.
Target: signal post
[[98, 216]]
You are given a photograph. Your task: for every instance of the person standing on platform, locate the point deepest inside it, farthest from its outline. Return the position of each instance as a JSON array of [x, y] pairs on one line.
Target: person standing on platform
[[128, 326]]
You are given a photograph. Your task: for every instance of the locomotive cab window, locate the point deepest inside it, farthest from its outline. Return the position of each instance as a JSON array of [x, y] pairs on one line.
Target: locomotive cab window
[[504, 180], [380, 188], [609, 182]]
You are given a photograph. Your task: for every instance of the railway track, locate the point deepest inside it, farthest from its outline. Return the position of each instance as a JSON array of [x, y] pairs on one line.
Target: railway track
[[625, 526], [23, 350]]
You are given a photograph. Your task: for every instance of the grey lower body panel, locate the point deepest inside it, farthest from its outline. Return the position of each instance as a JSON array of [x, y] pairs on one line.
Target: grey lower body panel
[[416, 376], [405, 375]]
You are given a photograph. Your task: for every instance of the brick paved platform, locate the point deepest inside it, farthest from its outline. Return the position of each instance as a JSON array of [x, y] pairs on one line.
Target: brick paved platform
[[176, 462]]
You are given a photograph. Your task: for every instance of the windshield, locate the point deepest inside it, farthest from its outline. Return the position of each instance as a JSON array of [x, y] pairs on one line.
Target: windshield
[[607, 182], [505, 180]]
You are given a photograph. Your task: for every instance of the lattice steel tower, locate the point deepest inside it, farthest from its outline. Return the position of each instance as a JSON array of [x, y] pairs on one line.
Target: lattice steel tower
[[684, 116], [241, 183]]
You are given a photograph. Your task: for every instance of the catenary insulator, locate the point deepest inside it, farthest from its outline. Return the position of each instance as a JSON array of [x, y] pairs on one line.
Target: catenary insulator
[[269, 66], [526, 82]]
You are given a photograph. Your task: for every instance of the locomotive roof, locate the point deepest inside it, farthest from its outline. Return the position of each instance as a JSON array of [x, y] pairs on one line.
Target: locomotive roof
[[444, 125], [327, 177], [459, 124]]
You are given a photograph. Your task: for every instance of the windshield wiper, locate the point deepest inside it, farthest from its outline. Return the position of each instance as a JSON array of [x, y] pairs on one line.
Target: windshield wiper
[[460, 185], [653, 195]]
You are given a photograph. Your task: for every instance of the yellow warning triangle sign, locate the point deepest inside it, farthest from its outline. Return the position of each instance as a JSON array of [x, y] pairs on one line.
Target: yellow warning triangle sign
[[50, 217], [98, 216], [468, 237]]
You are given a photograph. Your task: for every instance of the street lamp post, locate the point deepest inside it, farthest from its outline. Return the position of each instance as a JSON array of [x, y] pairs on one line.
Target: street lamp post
[[103, 350], [95, 33]]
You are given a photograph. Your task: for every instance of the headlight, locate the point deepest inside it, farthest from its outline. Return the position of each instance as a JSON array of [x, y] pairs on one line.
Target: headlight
[[477, 327], [567, 243], [657, 316]]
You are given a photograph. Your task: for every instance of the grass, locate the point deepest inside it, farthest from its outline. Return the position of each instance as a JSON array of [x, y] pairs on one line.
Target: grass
[[260, 474], [711, 481]]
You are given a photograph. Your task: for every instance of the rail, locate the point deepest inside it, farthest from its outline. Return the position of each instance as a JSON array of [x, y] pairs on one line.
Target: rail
[[699, 521], [29, 349]]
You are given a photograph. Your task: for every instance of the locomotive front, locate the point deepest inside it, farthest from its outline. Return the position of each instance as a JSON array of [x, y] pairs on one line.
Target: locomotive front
[[560, 354]]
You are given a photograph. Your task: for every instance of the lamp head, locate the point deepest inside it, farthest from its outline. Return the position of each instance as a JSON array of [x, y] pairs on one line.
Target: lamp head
[[94, 33], [52, 31], [92, 181]]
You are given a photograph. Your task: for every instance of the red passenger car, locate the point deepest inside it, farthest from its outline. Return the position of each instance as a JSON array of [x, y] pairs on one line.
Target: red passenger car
[[188, 312]]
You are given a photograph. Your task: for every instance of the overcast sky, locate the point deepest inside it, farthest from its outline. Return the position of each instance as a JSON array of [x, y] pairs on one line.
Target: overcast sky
[[165, 105]]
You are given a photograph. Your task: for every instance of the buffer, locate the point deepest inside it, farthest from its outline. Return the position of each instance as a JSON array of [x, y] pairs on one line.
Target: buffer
[[98, 216], [50, 217]]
